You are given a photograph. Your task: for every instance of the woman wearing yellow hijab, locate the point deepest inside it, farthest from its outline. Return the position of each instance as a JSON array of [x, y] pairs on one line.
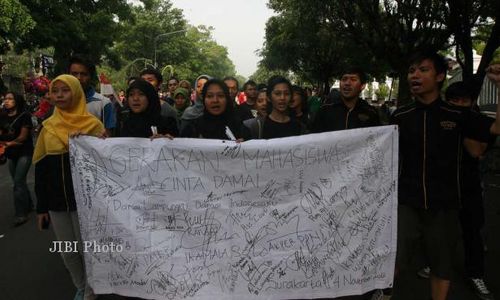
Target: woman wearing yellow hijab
[[53, 183]]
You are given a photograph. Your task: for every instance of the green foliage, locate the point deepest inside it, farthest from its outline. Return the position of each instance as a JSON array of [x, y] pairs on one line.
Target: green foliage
[[18, 64], [382, 92], [116, 33], [189, 53], [203, 56], [306, 38], [262, 74], [15, 22], [74, 26], [241, 80], [474, 27], [369, 90]]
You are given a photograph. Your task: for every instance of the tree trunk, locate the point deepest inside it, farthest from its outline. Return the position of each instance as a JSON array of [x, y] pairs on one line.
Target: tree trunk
[[61, 58], [404, 95], [491, 46]]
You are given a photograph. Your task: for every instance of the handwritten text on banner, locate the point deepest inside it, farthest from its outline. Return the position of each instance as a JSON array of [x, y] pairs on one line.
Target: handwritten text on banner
[[301, 217]]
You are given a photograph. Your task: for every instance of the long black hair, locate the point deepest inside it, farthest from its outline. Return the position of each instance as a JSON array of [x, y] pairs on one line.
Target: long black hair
[[21, 105]]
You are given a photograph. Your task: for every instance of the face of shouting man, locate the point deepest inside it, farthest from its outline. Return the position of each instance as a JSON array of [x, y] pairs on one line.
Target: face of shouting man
[[351, 87]]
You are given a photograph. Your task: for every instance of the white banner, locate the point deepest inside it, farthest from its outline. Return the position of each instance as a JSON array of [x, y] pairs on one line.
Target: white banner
[[300, 217]]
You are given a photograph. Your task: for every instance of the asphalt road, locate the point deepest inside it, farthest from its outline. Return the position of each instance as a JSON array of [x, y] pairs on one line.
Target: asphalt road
[[28, 271]]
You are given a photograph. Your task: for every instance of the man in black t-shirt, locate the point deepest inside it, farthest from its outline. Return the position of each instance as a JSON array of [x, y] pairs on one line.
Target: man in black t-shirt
[[245, 109], [349, 110], [432, 133], [459, 94]]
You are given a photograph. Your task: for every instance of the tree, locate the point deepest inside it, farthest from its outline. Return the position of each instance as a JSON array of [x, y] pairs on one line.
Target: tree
[[262, 74], [139, 35], [71, 26], [393, 30], [15, 23], [304, 39], [204, 56], [382, 92], [470, 22], [403, 27], [190, 54]]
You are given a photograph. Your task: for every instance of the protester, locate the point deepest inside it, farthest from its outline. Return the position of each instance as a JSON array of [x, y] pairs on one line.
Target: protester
[[346, 110], [53, 183], [172, 85], [98, 105], [278, 123], [16, 141], [459, 94], [144, 113], [298, 105], [253, 127], [233, 86], [471, 215], [429, 194], [195, 111], [155, 78], [186, 85], [121, 96], [246, 110], [349, 110], [182, 101], [217, 117]]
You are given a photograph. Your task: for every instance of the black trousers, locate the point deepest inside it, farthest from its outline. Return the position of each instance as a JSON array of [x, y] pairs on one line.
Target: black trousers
[[472, 221]]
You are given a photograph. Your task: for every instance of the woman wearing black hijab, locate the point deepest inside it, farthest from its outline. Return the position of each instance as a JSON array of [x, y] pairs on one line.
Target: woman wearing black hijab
[[143, 118], [218, 115]]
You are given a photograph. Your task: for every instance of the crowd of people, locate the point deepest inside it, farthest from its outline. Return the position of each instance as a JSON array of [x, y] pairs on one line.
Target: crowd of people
[[441, 142]]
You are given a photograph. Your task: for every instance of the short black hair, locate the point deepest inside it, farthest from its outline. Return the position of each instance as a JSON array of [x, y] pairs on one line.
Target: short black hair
[[84, 60], [459, 89], [356, 70], [439, 62], [233, 79], [154, 72], [261, 86], [173, 78], [275, 80], [249, 82]]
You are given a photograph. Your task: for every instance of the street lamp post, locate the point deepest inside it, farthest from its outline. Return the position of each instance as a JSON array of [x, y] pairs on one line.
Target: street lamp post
[[161, 35]]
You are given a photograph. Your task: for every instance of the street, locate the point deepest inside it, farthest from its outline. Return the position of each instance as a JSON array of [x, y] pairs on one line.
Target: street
[[30, 272]]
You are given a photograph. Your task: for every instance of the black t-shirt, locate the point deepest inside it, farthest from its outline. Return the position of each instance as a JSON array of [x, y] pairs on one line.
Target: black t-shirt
[[337, 116], [274, 129], [11, 129], [244, 111], [430, 147]]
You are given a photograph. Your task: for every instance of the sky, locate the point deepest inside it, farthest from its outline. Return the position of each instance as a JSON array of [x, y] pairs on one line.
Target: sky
[[239, 25]]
